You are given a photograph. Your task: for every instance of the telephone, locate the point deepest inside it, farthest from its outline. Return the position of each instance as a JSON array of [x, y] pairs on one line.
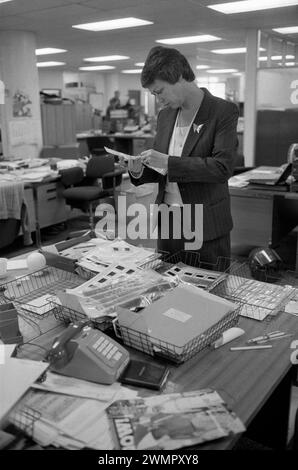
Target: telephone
[[88, 354]]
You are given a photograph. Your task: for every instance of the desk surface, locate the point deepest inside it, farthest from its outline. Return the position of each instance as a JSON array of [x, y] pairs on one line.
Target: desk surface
[[245, 379]]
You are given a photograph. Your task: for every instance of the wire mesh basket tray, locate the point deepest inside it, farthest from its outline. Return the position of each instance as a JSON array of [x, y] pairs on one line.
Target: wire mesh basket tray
[[32, 294], [188, 267], [259, 299], [23, 417], [176, 354], [68, 315], [106, 293]]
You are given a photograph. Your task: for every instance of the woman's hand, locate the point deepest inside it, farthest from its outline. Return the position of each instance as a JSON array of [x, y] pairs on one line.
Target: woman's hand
[[135, 164], [155, 159]]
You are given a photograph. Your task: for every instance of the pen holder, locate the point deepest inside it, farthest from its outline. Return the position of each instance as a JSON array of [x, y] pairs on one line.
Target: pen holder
[[9, 325]]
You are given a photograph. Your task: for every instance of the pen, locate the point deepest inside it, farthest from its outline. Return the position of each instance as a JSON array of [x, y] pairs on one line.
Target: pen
[[267, 336], [275, 338], [248, 348]]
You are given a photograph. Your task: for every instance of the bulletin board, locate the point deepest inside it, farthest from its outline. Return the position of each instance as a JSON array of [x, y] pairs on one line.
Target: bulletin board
[[96, 100]]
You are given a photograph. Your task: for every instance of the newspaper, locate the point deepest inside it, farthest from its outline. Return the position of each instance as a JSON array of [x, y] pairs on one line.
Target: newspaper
[[63, 421], [172, 421]]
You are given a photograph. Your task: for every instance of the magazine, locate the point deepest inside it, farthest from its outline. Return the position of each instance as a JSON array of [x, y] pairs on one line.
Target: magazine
[[172, 421]]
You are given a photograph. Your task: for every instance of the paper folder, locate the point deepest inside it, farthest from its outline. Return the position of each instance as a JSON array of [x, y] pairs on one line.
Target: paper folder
[[180, 316], [185, 313]]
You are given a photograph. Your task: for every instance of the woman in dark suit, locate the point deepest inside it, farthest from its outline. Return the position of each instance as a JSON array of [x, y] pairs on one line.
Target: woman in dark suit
[[193, 157]]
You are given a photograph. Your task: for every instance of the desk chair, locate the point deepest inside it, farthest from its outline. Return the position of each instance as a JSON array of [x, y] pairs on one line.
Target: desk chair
[[96, 145], [83, 191]]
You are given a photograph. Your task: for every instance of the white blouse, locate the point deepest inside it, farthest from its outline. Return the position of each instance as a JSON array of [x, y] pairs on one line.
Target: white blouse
[[172, 195]]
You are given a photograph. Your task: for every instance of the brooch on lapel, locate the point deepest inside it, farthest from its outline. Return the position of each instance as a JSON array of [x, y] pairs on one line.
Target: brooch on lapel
[[197, 128]]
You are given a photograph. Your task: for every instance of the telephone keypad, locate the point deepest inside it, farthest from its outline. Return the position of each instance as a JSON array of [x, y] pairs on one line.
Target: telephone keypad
[[107, 349]]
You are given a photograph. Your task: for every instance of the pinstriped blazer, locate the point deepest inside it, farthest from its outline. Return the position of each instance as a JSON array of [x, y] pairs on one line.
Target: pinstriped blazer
[[206, 162]]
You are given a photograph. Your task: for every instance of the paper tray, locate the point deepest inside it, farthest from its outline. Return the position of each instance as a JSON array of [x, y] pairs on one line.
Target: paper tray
[[153, 346], [28, 288]]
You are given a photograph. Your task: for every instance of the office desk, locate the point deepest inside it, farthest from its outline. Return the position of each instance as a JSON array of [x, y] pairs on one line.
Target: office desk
[[262, 217], [256, 384], [129, 143], [46, 205]]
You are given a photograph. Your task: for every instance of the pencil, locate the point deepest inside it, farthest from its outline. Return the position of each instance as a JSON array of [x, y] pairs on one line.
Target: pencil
[[248, 348]]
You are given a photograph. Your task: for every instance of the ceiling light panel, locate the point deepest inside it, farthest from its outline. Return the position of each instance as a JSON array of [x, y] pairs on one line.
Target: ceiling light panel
[[222, 71], [288, 30], [189, 39], [113, 24], [251, 5], [51, 63], [106, 58], [49, 50], [97, 67]]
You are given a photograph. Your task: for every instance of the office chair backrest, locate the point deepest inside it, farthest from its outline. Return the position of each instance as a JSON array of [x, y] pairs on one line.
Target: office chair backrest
[[97, 166], [96, 144], [71, 176]]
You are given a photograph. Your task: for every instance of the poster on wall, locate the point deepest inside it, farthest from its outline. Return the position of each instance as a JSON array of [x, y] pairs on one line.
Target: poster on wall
[[23, 131], [21, 105]]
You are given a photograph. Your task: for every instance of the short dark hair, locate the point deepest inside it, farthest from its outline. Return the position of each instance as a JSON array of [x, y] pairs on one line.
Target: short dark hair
[[165, 63]]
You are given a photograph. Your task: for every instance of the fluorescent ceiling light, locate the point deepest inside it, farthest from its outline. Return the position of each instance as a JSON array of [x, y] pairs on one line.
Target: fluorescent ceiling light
[[106, 58], [202, 67], [132, 71], [49, 64], [232, 50], [276, 57], [3, 1], [49, 50], [279, 57], [251, 5], [290, 63], [97, 67], [113, 24], [140, 64], [288, 30], [222, 71], [189, 39]]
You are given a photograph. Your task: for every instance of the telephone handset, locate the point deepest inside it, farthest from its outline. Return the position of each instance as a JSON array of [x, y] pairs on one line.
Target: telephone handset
[[89, 354]]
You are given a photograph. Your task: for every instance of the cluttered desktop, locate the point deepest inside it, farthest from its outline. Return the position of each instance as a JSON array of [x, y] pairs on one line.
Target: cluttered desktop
[[111, 331]]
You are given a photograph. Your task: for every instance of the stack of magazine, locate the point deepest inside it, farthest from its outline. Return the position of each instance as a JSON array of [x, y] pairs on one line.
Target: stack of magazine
[[172, 421]]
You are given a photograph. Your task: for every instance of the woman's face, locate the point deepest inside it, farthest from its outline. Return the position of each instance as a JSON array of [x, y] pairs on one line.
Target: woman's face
[[167, 94]]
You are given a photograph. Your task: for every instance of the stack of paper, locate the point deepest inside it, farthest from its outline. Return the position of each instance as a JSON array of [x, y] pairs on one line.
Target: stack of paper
[[65, 419], [115, 286], [16, 376], [116, 251], [41, 305]]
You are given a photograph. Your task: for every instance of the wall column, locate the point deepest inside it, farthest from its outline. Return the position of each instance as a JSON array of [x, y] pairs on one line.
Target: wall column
[[20, 115], [250, 102]]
